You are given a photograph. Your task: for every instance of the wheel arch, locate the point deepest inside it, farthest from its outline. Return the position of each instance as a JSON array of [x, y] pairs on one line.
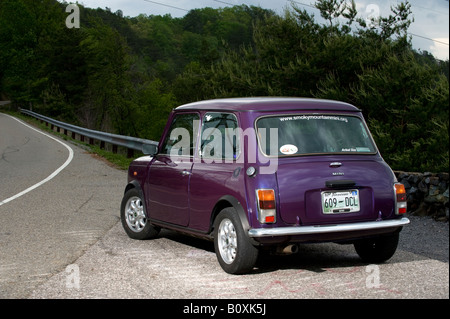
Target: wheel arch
[[230, 201], [133, 184]]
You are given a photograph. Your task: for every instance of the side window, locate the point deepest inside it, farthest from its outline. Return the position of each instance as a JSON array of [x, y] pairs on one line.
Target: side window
[[220, 137], [182, 136]]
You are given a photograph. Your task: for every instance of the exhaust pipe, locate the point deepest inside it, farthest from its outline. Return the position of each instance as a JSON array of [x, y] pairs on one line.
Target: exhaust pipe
[[287, 250]]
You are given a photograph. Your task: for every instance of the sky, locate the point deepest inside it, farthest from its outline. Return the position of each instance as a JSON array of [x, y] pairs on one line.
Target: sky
[[429, 31]]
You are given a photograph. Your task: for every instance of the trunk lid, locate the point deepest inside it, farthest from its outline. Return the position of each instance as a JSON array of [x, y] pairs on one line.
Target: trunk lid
[[315, 190]]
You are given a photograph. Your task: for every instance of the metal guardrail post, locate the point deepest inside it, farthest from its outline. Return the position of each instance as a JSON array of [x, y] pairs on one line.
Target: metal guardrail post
[[131, 143]]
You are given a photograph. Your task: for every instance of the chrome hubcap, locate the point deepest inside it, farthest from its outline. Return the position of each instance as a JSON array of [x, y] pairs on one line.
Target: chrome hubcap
[[227, 241], [134, 214]]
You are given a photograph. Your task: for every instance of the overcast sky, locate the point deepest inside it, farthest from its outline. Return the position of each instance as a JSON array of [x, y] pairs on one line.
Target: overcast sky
[[431, 17]]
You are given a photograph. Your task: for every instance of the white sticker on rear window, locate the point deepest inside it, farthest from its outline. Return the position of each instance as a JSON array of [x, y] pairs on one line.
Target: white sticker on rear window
[[288, 149]]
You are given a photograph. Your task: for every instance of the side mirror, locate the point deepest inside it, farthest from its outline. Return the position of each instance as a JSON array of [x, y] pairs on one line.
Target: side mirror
[[150, 149]]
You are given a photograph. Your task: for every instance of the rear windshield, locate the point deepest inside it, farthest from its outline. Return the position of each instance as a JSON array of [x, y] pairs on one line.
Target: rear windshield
[[303, 134]]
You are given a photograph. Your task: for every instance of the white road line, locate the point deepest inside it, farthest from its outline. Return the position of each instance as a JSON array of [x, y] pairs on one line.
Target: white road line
[[51, 176]]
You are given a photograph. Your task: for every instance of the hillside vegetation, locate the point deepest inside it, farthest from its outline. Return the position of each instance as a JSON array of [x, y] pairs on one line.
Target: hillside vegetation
[[125, 74]]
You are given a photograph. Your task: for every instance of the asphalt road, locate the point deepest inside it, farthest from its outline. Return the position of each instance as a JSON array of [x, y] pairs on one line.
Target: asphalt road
[[64, 240], [52, 225]]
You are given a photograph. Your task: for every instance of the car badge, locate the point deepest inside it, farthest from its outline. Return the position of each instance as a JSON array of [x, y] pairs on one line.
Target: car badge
[[338, 174]]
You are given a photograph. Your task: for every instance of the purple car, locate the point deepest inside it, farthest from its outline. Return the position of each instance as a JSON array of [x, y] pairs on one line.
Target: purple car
[[266, 173]]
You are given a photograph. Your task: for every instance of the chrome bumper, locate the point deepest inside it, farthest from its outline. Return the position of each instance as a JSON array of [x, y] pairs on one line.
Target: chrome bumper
[[311, 230]]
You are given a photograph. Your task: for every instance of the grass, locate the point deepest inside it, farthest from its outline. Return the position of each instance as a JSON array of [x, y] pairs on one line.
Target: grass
[[118, 160]]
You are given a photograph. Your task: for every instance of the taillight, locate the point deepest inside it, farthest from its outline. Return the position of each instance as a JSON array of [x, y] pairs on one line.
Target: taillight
[[400, 199], [266, 206]]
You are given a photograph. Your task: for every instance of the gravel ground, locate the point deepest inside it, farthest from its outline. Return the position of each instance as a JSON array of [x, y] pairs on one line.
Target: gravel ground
[[181, 267], [434, 238]]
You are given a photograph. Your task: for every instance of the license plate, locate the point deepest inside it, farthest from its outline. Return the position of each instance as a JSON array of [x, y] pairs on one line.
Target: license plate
[[338, 202]]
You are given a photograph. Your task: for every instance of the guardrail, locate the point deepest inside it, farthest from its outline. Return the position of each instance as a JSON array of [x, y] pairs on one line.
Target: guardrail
[[130, 143]]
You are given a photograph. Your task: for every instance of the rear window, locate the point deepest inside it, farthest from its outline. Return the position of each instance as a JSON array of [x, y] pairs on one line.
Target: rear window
[[303, 134]]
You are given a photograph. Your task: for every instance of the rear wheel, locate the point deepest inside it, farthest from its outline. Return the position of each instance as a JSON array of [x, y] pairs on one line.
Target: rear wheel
[[133, 217], [377, 250], [234, 251]]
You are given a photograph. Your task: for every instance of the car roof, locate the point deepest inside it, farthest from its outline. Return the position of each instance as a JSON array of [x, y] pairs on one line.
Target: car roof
[[267, 104]]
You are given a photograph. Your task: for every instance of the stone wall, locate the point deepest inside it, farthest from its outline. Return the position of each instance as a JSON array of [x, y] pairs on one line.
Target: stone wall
[[427, 193]]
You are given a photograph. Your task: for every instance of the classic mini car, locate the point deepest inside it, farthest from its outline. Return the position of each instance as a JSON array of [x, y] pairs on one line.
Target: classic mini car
[[266, 173]]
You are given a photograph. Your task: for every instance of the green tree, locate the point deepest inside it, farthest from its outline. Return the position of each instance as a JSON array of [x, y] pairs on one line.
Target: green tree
[[344, 59], [408, 107], [108, 100], [18, 42], [154, 107], [32, 44]]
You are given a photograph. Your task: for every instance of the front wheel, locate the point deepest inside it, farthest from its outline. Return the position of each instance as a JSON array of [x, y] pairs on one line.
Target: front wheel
[[377, 250], [235, 253], [133, 217]]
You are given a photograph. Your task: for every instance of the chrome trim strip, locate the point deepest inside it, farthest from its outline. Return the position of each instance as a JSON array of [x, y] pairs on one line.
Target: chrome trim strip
[[308, 230]]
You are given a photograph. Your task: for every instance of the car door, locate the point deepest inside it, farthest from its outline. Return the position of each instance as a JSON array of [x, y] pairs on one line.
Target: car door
[[218, 170], [170, 172]]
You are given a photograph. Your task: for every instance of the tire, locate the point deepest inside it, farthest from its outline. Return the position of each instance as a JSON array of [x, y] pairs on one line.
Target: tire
[[234, 251], [377, 250], [134, 218]]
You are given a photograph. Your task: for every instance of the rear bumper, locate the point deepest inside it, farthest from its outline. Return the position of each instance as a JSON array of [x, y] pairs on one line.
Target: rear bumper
[[327, 229]]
